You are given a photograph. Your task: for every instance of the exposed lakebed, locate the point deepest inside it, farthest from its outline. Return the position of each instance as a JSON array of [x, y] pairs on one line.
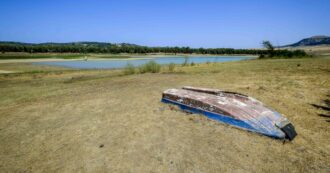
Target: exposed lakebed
[[121, 63]]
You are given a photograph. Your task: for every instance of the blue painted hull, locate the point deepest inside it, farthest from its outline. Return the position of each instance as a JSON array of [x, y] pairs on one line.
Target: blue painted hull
[[276, 133]]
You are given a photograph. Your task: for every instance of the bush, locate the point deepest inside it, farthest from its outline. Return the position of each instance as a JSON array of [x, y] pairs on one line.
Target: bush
[[185, 63], [171, 67], [129, 69], [151, 66], [285, 54], [192, 63]]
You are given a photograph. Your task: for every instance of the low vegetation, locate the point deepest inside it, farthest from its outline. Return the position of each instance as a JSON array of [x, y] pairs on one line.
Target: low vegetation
[[129, 69], [171, 67], [150, 67]]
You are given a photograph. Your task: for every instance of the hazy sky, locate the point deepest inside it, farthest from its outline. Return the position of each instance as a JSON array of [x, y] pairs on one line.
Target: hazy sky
[[194, 23]]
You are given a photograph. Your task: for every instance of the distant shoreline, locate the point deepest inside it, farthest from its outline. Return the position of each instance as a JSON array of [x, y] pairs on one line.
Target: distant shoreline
[[43, 57]]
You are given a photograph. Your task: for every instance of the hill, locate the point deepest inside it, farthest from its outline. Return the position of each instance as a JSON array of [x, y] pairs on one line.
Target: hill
[[312, 41]]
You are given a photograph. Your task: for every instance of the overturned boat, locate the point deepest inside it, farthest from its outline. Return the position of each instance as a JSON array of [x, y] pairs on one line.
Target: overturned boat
[[231, 108]]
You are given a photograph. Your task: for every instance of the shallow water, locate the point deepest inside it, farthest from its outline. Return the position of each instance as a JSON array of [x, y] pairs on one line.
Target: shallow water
[[111, 64]]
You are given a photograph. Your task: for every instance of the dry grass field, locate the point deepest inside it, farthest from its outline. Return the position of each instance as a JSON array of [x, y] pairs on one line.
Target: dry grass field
[[59, 120]]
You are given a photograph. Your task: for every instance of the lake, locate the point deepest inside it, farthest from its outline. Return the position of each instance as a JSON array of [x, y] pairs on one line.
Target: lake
[[117, 63]]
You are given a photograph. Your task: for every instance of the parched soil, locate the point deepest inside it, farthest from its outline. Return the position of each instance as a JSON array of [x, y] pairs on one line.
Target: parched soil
[[102, 121]]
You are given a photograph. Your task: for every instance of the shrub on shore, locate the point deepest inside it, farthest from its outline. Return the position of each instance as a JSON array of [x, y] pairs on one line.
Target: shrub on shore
[[151, 67], [171, 67], [129, 69]]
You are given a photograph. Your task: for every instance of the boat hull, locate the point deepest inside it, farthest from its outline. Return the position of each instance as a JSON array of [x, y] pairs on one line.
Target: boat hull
[[205, 103]]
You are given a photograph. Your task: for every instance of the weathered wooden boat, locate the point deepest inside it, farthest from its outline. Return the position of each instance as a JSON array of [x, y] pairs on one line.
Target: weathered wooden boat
[[232, 108]]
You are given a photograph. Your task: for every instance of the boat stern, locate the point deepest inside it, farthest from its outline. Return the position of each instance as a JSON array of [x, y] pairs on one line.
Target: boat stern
[[287, 128]]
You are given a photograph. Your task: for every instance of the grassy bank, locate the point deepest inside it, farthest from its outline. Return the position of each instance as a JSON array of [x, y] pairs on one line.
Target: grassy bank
[[104, 121]]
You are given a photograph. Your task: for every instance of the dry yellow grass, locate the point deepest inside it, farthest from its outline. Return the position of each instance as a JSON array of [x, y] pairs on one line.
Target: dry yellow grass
[[101, 121]]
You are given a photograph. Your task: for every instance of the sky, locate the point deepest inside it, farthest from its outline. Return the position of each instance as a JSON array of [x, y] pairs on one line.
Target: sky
[[193, 23]]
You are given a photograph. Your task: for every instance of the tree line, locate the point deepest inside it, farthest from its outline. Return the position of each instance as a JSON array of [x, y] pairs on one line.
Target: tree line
[[96, 47], [115, 48]]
